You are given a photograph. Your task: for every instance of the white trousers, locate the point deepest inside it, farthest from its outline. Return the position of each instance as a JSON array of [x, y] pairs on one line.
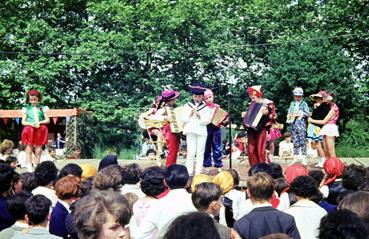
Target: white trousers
[[195, 151]]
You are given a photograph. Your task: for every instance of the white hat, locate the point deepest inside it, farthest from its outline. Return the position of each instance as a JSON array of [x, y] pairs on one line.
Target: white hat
[[298, 91]]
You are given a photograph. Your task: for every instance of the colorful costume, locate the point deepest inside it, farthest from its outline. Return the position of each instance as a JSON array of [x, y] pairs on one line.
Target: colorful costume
[[31, 135], [331, 129]]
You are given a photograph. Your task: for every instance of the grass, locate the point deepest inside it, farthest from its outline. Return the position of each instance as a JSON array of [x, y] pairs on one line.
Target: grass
[[345, 151], [126, 154]]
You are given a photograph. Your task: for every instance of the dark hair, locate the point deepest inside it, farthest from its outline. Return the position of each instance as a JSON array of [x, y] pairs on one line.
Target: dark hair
[[10, 159], [131, 174], [70, 168], [204, 194], [280, 185], [17, 205], [86, 186], [342, 224], [38, 208], [107, 161], [91, 212], [176, 176], [304, 186], [152, 181], [287, 135], [236, 177], [45, 173], [260, 167], [183, 227], [317, 175], [353, 176], [29, 182], [6, 177], [277, 171]]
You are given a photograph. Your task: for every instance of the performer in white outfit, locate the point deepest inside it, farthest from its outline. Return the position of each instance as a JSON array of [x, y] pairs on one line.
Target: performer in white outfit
[[196, 115]]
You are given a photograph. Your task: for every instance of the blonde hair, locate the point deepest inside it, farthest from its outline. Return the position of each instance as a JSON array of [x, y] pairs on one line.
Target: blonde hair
[[200, 178], [225, 181], [5, 145]]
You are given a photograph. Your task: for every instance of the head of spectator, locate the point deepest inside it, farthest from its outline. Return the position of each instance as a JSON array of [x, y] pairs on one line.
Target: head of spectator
[[281, 185], [236, 177], [260, 188], [109, 177], [88, 170], [45, 174], [304, 187], [29, 181], [76, 152], [67, 188], [6, 178], [152, 181], [107, 161], [357, 202], [52, 151], [70, 168], [277, 171], [102, 214], [224, 180], [295, 170], [206, 197], [287, 137], [317, 175], [17, 206], [38, 209], [183, 227], [260, 167], [342, 224], [333, 168], [86, 186], [6, 147], [131, 174], [17, 183], [12, 161], [353, 176], [199, 178], [176, 176]]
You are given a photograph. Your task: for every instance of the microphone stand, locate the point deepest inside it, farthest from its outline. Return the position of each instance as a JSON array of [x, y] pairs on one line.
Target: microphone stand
[[229, 95]]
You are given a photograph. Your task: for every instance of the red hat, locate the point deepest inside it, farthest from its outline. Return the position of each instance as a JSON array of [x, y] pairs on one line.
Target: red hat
[[294, 171], [334, 168], [255, 90], [34, 92], [168, 95]]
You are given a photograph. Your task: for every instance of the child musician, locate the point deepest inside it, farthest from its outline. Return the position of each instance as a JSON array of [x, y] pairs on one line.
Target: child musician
[[298, 112], [196, 115], [35, 132]]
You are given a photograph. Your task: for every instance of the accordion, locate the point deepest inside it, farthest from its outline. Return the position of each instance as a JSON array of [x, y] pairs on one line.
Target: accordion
[[320, 112], [176, 125], [255, 119], [219, 116]]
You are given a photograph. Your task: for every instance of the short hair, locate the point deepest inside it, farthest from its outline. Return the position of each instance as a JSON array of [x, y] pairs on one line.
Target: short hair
[[277, 171], [76, 147], [92, 211], [10, 159], [6, 177], [304, 186], [109, 177], [5, 145], [67, 187], [317, 175], [342, 224], [45, 173], [70, 168], [357, 202], [38, 209], [86, 187], [29, 182], [353, 176], [204, 194], [261, 186], [17, 205], [50, 148], [281, 185], [183, 227], [287, 135], [236, 177], [260, 167], [152, 181], [131, 174], [176, 176]]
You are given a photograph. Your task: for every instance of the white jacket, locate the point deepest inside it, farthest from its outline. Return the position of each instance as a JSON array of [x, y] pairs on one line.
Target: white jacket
[[193, 124]]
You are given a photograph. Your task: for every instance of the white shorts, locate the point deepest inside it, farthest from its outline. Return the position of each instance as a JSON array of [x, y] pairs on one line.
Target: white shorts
[[330, 130]]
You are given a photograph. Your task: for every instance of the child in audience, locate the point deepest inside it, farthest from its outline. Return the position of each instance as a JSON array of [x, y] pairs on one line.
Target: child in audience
[[286, 147]]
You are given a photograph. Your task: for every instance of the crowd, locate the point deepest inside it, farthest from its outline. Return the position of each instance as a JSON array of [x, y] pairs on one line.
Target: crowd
[[114, 201]]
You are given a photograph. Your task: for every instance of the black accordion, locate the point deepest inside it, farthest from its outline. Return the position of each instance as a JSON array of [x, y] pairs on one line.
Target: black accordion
[[255, 119], [320, 112]]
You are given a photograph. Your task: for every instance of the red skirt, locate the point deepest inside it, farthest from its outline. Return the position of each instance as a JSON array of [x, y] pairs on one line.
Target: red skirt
[[33, 136]]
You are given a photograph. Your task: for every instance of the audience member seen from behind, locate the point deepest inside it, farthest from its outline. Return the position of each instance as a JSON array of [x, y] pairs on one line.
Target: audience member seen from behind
[[29, 182], [102, 214], [38, 209], [70, 168], [183, 227], [342, 224], [45, 176], [264, 219], [307, 213], [67, 190], [108, 178], [107, 161], [176, 203], [353, 176], [357, 202], [17, 209], [333, 169], [130, 179], [6, 177]]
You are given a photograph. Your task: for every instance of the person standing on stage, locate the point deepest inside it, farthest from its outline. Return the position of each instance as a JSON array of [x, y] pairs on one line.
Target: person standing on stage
[[257, 139], [298, 112], [196, 116], [213, 147], [35, 132]]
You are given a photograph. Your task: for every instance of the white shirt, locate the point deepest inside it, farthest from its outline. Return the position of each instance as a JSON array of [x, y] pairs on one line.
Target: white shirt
[[161, 214], [132, 188], [285, 147], [307, 215], [45, 156], [193, 124], [238, 198], [324, 190], [284, 202], [47, 192]]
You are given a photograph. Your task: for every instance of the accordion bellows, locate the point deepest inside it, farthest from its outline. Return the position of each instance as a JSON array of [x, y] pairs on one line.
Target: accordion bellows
[[255, 119]]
